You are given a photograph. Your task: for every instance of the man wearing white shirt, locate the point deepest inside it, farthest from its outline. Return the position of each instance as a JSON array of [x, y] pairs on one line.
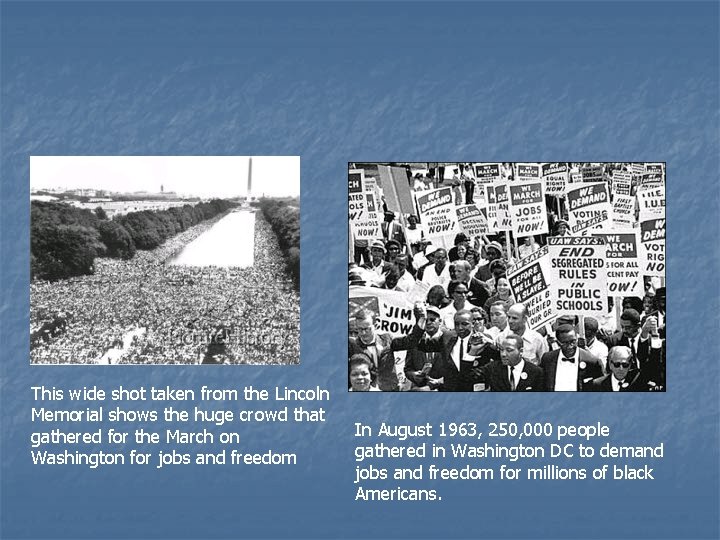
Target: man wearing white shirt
[[593, 345], [570, 369], [458, 292], [534, 345], [461, 354], [406, 281], [438, 273], [512, 373], [499, 322], [622, 378]]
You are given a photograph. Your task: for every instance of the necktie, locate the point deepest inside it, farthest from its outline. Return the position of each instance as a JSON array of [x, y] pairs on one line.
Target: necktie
[[634, 353], [512, 380], [571, 360], [462, 348]]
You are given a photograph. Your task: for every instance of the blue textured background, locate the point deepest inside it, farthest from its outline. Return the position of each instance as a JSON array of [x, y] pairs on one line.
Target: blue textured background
[[333, 83]]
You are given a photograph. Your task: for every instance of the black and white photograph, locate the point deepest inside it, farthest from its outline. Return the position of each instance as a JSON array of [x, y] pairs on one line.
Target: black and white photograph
[[151, 260], [505, 277]]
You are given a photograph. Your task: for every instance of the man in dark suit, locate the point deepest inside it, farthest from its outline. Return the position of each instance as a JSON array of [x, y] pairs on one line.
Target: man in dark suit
[[381, 346], [639, 340], [622, 377], [570, 369], [462, 352], [423, 363], [392, 230], [478, 292], [377, 263], [512, 373], [658, 311]]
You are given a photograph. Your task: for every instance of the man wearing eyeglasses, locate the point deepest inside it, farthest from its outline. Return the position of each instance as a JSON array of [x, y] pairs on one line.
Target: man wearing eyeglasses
[[458, 292], [570, 369], [478, 292], [622, 377]]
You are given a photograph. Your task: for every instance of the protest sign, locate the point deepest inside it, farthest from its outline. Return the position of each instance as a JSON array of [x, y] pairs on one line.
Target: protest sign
[[371, 186], [393, 311], [487, 173], [529, 280], [528, 212], [578, 275], [472, 220], [575, 177], [623, 263], [491, 207], [480, 196], [369, 227], [555, 177], [621, 182], [654, 177], [589, 207], [437, 212], [527, 171], [652, 203], [502, 203], [356, 196], [623, 212], [652, 247], [396, 189], [592, 174], [636, 169]]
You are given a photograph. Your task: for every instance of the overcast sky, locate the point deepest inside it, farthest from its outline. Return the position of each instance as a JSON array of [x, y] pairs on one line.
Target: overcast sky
[[201, 176]]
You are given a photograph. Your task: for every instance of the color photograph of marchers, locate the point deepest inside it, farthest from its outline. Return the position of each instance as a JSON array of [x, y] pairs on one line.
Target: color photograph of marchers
[[164, 260], [506, 277]]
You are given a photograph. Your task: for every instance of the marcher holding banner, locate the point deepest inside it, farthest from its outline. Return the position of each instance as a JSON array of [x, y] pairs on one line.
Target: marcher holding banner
[[607, 255]]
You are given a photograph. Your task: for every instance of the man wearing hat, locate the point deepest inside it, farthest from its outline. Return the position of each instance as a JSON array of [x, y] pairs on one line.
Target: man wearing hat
[[423, 259], [493, 251], [422, 363], [562, 228], [377, 263]]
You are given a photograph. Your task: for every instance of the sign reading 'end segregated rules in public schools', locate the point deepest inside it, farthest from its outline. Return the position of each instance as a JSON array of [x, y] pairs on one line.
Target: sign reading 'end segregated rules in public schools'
[[579, 278]]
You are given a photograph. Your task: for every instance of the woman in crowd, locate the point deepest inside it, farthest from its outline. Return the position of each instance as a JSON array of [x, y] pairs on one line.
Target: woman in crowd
[[362, 374], [502, 294]]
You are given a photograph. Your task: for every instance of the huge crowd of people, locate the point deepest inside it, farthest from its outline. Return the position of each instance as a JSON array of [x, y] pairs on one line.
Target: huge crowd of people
[[472, 334], [172, 314]]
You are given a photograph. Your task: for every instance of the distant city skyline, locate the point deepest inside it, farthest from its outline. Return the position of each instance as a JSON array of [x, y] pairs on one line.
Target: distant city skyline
[[195, 176]]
